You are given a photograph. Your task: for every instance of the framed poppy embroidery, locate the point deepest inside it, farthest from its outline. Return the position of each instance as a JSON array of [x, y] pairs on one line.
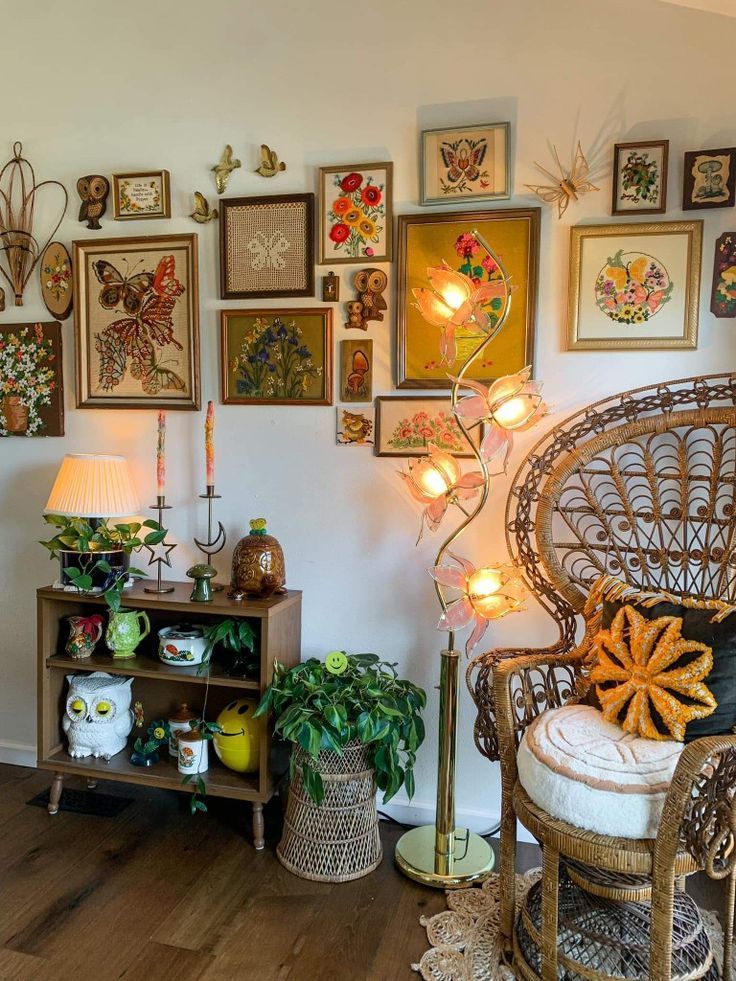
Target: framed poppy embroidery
[[136, 320], [356, 213]]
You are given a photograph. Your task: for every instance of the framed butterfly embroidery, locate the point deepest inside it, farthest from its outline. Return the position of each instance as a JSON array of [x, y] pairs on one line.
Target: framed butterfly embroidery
[[267, 246], [136, 322], [462, 163]]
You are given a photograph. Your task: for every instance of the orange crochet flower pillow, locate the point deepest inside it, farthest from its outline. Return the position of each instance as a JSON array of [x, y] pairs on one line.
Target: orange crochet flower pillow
[[649, 678]]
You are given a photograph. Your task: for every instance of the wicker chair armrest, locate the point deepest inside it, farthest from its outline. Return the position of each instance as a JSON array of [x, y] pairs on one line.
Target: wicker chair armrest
[[699, 813], [482, 677]]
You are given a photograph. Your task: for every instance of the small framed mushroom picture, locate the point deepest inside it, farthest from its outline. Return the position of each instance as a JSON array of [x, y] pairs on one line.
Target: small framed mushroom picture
[[710, 179]]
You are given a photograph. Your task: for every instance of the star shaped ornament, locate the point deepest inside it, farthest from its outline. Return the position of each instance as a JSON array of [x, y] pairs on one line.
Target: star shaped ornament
[[161, 553]]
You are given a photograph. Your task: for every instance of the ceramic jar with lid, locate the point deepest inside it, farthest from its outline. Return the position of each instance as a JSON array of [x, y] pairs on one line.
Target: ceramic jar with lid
[[182, 644], [258, 564], [179, 722], [193, 756]]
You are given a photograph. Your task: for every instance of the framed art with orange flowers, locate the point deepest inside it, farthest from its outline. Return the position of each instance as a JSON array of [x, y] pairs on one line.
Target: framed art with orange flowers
[[427, 240], [355, 213], [407, 424]]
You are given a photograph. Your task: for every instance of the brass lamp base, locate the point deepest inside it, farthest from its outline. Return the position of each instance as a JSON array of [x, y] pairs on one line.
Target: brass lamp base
[[472, 861]]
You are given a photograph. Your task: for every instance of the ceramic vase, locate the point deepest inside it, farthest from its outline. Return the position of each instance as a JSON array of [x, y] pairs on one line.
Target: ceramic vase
[[193, 756], [258, 566], [179, 722], [125, 630], [84, 632]]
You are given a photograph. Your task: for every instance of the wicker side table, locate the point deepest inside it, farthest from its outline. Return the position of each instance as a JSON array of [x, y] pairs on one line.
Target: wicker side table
[[337, 840]]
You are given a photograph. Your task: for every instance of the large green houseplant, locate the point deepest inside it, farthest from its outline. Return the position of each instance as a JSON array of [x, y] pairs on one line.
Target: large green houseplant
[[325, 706]]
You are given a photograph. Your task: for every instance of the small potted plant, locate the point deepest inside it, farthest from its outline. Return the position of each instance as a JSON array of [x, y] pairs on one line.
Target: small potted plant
[[354, 726], [238, 638]]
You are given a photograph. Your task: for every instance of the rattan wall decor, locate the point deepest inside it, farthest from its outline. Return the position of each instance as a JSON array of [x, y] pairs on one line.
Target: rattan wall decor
[[267, 246], [337, 840]]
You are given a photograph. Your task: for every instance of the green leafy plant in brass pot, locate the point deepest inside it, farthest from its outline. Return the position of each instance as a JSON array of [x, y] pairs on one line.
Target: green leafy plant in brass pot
[[348, 699], [95, 555]]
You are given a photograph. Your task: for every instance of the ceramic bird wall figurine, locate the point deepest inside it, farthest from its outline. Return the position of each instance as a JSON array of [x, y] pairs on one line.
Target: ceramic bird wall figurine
[[568, 186], [202, 212], [93, 190], [224, 168], [270, 164]]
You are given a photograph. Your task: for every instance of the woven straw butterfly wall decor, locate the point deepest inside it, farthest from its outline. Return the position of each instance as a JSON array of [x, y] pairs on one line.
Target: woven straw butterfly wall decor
[[136, 322], [568, 185]]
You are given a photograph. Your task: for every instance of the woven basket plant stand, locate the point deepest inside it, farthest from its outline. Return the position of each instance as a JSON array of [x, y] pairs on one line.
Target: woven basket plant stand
[[338, 840]]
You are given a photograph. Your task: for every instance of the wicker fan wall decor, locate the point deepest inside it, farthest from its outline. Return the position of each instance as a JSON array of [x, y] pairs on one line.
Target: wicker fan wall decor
[[18, 198]]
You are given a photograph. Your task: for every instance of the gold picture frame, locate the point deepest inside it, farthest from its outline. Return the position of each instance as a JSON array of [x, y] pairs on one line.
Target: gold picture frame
[[347, 187], [634, 286], [143, 194], [426, 240], [136, 322], [407, 424], [276, 356]]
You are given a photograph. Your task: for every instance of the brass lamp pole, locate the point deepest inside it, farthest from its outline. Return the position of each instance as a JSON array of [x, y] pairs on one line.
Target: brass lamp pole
[[443, 855]]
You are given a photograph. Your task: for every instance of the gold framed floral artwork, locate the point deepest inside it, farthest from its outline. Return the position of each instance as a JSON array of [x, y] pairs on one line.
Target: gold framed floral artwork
[[634, 286], [426, 240], [136, 321], [407, 424], [356, 213], [277, 357], [144, 194], [462, 163]]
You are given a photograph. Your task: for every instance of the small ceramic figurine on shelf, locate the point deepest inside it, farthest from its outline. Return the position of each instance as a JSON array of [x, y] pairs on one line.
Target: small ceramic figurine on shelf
[[98, 718], [147, 751], [93, 190], [179, 721], [258, 564], [202, 575], [84, 632]]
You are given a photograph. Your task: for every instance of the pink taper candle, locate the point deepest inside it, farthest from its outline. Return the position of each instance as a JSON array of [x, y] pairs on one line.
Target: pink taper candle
[[209, 443], [161, 454]]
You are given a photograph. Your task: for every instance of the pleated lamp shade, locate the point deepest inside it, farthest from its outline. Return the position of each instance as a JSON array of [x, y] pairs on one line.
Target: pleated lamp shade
[[93, 486]]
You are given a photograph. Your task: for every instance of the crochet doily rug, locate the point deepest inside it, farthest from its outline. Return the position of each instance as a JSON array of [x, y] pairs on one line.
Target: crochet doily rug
[[464, 938]]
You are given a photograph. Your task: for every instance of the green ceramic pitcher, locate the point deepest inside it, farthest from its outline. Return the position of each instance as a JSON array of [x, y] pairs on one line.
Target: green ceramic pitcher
[[125, 630]]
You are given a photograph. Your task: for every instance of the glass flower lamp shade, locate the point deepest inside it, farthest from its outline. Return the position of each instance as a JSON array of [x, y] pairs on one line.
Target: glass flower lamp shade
[[437, 481], [93, 486]]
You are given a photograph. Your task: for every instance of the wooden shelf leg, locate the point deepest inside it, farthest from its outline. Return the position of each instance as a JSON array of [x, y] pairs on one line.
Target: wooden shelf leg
[[55, 793], [258, 834]]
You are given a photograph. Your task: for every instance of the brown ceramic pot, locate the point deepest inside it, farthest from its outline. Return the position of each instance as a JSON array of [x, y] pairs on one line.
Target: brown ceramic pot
[[16, 414], [258, 564]]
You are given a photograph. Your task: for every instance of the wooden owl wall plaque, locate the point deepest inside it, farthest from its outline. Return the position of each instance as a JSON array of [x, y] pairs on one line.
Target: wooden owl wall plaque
[[93, 190]]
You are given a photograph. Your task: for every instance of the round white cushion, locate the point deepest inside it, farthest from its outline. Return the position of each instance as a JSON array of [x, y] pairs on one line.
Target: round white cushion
[[592, 774]]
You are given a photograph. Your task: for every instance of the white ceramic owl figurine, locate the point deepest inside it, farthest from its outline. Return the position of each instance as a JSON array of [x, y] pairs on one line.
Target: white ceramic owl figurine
[[98, 717]]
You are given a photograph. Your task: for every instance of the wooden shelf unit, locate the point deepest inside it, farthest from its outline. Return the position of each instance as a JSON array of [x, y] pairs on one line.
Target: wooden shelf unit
[[163, 687]]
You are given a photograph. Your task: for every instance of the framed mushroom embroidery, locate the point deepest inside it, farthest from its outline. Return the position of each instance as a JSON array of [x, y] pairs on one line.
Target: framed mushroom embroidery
[[710, 179], [266, 246]]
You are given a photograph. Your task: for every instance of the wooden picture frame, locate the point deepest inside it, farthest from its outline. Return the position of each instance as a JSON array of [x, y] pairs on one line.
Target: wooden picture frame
[[465, 163], [267, 246], [634, 286], [427, 240], [141, 195], [31, 379], [709, 179], [723, 288], [356, 201], [136, 322], [267, 354], [405, 424], [640, 181]]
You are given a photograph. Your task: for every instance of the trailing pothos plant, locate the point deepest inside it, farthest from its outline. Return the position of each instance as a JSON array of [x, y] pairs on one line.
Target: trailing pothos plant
[[207, 730], [236, 636], [88, 538], [347, 698]]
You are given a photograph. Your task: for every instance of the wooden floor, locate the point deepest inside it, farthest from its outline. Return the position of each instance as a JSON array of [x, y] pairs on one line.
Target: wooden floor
[[155, 894]]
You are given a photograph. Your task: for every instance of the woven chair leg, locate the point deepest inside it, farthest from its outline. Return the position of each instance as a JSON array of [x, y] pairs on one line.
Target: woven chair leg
[[550, 899], [508, 874], [730, 898], [660, 951]]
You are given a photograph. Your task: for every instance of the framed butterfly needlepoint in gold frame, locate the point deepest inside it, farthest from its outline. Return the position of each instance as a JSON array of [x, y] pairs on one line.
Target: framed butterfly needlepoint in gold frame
[[136, 322]]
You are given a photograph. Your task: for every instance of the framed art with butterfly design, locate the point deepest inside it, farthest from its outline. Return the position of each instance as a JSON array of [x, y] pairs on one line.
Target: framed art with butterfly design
[[465, 163], [136, 319], [267, 246]]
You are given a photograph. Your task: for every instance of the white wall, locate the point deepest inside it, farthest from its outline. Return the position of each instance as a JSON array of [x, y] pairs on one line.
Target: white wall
[[94, 87]]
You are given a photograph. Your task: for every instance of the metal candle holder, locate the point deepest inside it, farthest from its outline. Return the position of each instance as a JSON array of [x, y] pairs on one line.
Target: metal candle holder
[[164, 559], [213, 545]]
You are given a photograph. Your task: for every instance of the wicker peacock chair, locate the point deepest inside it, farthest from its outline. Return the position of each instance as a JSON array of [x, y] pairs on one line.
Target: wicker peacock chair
[[641, 486]]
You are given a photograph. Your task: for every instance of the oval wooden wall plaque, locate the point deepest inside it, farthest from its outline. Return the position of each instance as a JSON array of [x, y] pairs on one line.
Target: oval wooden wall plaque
[[55, 273]]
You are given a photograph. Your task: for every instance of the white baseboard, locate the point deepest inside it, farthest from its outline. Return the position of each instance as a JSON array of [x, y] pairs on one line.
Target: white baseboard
[[417, 812], [18, 754]]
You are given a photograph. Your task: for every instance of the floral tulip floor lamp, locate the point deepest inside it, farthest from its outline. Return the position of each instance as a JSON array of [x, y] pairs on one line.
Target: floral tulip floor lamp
[[443, 855]]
